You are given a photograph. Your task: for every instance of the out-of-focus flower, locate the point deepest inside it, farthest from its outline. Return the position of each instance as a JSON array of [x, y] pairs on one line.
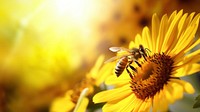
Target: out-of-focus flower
[[72, 97], [187, 5], [157, 81], [129, 17], [38, 34], [44, 42]]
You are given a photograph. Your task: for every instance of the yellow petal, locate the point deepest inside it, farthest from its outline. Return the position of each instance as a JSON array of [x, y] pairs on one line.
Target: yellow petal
[[82, 101], [114, 106], [192, 58], [119, 81], [145, 106], [155, 29], [138, 40], [161, 34], [179, 57], [187, 70], [162, 102], [132, 45], [155, 103], [146, 39], [175, 90], [104, 72], [186, 39], [186, 86], [59, 105], [172, 16], [168, 94], [142, 107], [171, 32], [182, 24], [114, 94], [110, 107], [130, 105], [189, 19], [137, 105], [195, 43], [195, 20], [179, 30], [97, 66], [83, 105]]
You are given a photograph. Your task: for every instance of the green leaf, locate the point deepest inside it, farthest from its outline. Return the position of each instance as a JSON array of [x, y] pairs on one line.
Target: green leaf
[[197, 104]]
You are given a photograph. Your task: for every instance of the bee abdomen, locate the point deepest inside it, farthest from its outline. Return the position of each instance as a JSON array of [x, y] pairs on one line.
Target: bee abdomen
[[121, 65]]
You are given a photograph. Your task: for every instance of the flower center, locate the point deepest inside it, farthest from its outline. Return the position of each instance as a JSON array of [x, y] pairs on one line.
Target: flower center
[[151, 77], [86, 82]]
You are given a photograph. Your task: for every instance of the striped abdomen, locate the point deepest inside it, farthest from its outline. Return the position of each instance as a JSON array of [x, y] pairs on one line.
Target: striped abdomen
[[121, 65]]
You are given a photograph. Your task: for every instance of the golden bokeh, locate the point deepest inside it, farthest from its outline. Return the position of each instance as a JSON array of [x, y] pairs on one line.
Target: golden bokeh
[[47, 46]]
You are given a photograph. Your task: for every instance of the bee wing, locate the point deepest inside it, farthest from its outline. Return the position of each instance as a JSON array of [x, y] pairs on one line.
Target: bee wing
[[115, 58], [112, 59], [117, 49]]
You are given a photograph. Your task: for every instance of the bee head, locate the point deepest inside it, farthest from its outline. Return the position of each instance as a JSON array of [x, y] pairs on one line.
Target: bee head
[[141, 48]]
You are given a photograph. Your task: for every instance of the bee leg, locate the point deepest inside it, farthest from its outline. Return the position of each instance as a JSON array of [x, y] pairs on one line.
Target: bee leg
[[144, 56], [138, 64], [148, 51], [133, 68], [129, 72]]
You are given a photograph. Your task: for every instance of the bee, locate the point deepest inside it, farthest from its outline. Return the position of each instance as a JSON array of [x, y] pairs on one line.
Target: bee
[[126, 60]]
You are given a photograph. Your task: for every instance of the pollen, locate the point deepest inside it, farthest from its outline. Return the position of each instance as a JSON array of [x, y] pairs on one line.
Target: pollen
[[152, 76]]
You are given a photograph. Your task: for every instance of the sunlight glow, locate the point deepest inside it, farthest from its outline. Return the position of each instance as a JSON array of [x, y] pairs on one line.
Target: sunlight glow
[[76, 10]]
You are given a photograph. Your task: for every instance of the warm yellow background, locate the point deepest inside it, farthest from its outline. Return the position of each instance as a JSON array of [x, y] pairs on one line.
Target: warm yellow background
[[46, 46]]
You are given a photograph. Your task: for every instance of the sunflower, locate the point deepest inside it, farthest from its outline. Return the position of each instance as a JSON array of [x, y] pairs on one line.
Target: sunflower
[[156, 81], [77, 98]]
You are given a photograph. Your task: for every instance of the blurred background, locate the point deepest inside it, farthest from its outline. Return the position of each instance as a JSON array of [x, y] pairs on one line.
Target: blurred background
[[47, 46]]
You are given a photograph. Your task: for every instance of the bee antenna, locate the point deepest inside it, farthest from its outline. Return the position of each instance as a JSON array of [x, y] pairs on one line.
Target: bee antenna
[[148, 51]]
